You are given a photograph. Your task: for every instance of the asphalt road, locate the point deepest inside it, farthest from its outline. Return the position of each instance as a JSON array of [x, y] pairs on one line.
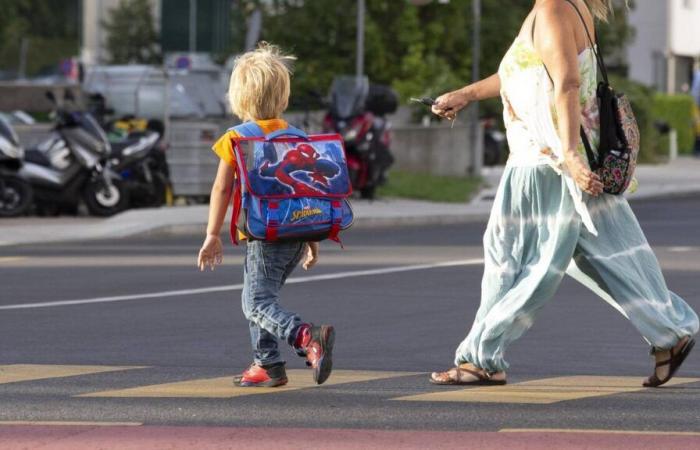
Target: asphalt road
[[139, 336]]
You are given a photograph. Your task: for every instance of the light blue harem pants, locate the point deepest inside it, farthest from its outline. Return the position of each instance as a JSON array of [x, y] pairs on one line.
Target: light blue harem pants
[[535, 236]]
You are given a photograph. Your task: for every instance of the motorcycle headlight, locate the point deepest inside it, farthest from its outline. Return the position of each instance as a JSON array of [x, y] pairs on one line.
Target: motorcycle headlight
[[350, 135]]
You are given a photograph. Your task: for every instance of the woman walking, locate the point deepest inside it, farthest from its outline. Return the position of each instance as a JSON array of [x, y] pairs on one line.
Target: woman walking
[[550, 216]]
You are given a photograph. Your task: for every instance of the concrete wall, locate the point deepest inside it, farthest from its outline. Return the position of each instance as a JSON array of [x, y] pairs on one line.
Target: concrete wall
[[439, 150], [31, 97]]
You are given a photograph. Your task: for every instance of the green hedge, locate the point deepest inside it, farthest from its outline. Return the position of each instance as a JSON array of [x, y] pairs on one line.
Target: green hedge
[[677, 110]]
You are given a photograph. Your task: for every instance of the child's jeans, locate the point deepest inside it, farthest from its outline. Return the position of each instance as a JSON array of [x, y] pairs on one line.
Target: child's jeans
[[265, 269]]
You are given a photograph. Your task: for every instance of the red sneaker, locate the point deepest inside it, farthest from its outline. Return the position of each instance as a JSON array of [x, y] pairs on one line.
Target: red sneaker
[[262, 376], [318, 346]]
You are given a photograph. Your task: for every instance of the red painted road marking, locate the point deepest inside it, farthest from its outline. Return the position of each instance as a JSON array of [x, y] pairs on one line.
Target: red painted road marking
[[78, 437]]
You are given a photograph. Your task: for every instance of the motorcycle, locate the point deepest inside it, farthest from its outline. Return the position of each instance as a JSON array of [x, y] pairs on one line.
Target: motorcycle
[[138, 155], [357, 112], [73, 163], [15, 191], [495, 143]]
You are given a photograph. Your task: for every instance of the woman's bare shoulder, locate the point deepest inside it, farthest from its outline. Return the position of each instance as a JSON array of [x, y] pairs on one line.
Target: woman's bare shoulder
[[555, 11]]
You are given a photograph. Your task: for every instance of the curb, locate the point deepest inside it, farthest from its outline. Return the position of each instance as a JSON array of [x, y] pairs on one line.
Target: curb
[[188, 229], [481, 206]]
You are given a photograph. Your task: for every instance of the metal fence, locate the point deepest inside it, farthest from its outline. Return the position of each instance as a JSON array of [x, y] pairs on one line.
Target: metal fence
[[191, 160]]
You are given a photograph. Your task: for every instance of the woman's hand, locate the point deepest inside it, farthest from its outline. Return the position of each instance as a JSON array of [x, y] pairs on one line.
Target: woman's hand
[[448, 105], [585, 179], [311, 255], [211, 253]]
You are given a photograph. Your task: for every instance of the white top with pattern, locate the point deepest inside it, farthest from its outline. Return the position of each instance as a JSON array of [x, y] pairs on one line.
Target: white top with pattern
[[530, 116]]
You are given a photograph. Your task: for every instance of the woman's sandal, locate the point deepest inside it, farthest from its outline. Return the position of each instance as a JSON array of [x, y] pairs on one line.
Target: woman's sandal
[[456, 377], [674, 362]]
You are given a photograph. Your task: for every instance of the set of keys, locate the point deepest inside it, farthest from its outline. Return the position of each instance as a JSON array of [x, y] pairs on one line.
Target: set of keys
[[428, 101]]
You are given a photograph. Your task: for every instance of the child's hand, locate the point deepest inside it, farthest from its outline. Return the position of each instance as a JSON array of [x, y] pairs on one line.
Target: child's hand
[[311, 255], [211, 253]]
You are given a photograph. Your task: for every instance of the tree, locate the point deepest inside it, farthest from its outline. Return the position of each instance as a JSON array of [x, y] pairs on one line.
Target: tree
[[419, 50], [51, 28], [131, 34]]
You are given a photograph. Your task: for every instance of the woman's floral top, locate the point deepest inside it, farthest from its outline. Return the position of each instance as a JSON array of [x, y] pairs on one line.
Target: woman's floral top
[[530, 116]]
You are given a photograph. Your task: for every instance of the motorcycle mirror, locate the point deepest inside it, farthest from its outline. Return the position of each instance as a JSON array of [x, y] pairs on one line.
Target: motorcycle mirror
[[50, 95]]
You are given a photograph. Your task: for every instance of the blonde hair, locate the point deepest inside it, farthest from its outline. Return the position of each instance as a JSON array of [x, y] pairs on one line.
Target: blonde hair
[[260, 83], [602, 9]]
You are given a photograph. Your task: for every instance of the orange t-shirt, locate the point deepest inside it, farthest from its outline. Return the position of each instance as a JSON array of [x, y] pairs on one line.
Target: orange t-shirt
[[224, 149]]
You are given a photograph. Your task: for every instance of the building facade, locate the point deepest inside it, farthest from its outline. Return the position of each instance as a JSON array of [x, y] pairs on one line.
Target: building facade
[[666, 44], [192, 26]]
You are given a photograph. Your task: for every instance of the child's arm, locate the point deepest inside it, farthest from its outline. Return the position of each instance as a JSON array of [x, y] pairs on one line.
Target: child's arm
[[211, 252]]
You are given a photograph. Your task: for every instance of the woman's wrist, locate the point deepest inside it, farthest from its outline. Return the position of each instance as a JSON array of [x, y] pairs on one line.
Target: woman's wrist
[[468, 94], [571, 153]]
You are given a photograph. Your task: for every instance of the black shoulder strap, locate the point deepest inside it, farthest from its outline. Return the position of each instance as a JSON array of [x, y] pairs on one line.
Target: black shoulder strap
[[598, 55], [592, 160]]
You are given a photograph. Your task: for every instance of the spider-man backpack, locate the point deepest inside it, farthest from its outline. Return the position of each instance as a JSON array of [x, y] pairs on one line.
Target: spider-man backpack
[[289, 186]]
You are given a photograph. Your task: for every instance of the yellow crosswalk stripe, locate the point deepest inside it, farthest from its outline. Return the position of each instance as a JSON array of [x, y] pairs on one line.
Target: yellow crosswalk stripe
[[14, 373], [222, 387], [5, 259], [542, 391]]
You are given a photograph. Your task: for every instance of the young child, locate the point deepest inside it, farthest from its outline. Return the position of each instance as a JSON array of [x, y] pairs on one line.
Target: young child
[[259, 91]]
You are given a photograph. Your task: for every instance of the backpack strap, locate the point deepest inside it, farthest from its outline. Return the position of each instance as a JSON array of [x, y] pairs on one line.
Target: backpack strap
[[336, 220], [248, 129], [289, 131], [245, 129], [598, 55]]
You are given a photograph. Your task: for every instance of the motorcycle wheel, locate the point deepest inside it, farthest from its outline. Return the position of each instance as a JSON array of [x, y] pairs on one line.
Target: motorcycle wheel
[[368, 193], [105, 201], [15, 197]]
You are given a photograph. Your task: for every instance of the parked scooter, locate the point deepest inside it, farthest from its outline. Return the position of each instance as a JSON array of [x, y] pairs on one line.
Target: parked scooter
[[357, 113], [73, 163], [138, 155], [15, 191], [494, 143]]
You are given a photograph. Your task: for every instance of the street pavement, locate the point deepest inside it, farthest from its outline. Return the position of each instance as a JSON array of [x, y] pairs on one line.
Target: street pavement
[[123, 343]]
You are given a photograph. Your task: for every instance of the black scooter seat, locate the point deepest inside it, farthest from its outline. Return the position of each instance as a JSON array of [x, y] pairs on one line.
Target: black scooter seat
[[35, 156]]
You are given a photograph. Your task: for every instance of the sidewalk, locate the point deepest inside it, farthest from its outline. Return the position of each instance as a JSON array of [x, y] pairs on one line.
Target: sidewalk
[[682, 177]]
